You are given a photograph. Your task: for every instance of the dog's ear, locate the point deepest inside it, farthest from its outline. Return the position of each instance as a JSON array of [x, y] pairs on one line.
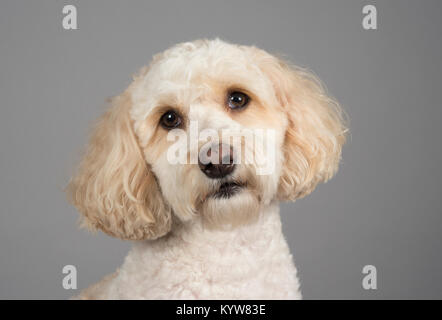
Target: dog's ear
[[315, 133], [114, 188]]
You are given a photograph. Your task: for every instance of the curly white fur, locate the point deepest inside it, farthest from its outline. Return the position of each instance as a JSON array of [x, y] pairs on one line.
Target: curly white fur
[[192, 262]]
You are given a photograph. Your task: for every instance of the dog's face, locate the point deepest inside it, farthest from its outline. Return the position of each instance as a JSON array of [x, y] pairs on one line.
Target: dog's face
[[209, 131]]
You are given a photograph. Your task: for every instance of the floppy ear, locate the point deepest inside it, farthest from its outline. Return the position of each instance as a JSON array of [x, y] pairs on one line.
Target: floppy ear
[[315, 132], [114, 188]]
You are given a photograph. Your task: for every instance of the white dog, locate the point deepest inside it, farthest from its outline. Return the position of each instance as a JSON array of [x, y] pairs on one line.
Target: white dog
[[206, 229]]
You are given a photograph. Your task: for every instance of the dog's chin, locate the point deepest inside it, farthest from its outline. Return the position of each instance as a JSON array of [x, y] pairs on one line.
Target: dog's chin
[[230, 205]]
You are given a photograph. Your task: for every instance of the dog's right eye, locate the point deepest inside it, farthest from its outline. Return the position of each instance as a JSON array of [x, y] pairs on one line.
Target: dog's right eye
[[170, 120], [237, 100]]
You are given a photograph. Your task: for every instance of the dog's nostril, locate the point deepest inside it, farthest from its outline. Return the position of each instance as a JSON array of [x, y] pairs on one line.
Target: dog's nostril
[[217, 171], [227, 159]]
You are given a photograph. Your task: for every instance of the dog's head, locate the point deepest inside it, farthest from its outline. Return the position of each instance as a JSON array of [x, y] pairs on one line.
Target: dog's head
[[209, 131]]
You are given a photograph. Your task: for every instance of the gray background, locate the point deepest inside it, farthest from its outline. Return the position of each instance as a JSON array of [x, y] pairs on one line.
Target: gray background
[[383, 208]]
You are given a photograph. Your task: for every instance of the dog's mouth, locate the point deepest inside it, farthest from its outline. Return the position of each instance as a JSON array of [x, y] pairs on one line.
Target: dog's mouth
[[227, 190]]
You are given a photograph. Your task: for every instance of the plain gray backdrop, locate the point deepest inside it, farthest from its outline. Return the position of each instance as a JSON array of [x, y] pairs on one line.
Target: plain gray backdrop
[[383, 208]]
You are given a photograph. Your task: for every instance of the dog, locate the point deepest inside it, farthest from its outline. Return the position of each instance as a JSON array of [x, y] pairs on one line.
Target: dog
[[208, 228]]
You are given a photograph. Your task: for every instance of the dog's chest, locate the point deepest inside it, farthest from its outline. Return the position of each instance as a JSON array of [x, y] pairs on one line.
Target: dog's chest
[[248, 264]]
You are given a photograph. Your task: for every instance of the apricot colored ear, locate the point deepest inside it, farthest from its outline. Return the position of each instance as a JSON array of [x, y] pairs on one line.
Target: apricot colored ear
[[315, 134], [114, 188]]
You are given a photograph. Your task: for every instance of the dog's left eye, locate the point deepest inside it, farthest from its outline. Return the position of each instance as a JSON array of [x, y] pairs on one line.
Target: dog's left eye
[[170, 120], [237, 100]]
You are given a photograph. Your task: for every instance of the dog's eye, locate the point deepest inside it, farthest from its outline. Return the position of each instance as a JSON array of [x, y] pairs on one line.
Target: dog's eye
[[237, 100], [170, 120]]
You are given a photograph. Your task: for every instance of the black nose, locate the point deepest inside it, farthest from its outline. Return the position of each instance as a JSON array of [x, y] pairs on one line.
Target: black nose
[[217, 161]]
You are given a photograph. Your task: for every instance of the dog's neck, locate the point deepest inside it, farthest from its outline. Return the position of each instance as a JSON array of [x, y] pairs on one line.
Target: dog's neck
[[196, 234], [247, 256]]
